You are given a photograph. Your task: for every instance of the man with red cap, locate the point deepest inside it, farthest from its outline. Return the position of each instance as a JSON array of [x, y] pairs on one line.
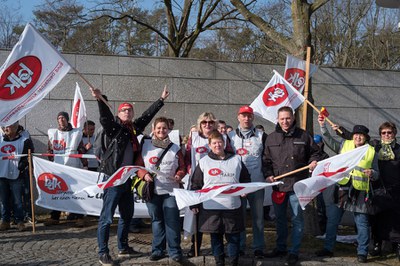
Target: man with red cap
[[248, 142], [120, 148]]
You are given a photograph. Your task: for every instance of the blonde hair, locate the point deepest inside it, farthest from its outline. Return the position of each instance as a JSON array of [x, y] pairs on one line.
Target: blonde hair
[[204, 116]]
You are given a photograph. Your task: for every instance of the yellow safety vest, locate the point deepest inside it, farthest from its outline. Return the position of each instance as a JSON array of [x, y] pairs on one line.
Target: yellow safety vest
[[359, 180]]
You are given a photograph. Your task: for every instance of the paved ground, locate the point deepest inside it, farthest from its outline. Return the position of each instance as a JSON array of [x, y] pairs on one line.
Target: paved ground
[[66, 245]]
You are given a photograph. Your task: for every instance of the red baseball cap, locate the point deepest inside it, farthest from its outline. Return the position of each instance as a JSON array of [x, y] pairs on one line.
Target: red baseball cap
[[245, 109], [125, 105]]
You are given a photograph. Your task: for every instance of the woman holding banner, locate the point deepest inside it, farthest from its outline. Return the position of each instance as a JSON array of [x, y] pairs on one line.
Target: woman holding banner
[[161, 154], [219, 216], [351, 193]]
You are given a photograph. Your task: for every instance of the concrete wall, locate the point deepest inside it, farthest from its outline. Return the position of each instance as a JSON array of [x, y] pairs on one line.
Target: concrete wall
[[351, 95]]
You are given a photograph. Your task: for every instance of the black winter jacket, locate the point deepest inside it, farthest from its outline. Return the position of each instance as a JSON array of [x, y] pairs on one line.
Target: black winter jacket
[[118, 136], [288, 151]]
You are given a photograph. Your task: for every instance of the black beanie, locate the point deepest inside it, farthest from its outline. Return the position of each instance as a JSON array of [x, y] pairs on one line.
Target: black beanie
[[64, 114]]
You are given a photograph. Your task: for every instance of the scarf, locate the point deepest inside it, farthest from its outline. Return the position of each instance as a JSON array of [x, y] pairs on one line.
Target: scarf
[[386, 153], [160, 143], [134, 140]]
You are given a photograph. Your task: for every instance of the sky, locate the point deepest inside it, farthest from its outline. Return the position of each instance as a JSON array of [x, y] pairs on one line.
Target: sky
[[25, 8]]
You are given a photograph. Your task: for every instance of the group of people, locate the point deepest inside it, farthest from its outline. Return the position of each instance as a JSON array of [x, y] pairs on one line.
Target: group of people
[[213, 155]]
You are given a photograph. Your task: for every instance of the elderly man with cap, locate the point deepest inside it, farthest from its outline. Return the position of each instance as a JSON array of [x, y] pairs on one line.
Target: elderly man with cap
[[13, 173], [121, 147], [248, 142], [351, 192], [65, 140]]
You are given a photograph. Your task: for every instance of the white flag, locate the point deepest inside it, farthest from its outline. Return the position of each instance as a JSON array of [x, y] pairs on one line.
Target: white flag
[[78, 112], [185, 198], [327, 173], [295, 72], [31, 71], [276, 94], [62, 188]]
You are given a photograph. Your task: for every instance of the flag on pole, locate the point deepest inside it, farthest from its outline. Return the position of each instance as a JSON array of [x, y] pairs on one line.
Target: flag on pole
[[276, 94], [78, 112], [185, 198], [33, 68], [328, 172], [295, 72]]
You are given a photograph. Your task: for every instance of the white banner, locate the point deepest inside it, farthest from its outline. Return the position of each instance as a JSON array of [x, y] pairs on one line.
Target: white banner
[[78, 113], [31, 71], [62, 187], [327, 173], [276, 94], [186, 198], [295, 72]]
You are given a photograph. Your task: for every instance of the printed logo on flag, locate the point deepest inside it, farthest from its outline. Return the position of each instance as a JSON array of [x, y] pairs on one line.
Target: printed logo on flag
[[214, 171], [19, 78], [51, 184], [8, 148], [232, 190], [275, 95], [241, 151], [201, 149], [59, 145], [296, 77], [153, 160], [328, 174]]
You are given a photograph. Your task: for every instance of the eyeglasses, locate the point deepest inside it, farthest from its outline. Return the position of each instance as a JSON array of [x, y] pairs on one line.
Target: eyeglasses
[[124, 110], [207, 122], [386, 132]]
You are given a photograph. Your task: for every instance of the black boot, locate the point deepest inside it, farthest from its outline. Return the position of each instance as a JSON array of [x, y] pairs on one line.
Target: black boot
[[219, 260], [377, 249], [233, 261]]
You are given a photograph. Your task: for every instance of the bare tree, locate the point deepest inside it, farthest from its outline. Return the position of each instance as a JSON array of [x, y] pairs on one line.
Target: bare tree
[[184, 23], [9, 25]]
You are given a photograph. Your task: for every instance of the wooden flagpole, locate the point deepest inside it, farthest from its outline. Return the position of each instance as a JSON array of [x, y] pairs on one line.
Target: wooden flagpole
[[292, 172], [318, 111], [31, 190], [91, 86], [304, 118]]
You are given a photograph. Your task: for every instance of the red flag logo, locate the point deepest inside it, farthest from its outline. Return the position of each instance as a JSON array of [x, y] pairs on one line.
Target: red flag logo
[[275, 95], [232, 190], [153, 160], [8, 148], [241, 152], [208, 189], [19, 78], [201, 149], [214, 171], [329, 174], [296, 77], [51, 184], [75, 113]]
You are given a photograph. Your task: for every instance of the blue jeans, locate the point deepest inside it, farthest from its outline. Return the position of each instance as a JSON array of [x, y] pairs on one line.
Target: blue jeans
[[363, 232], [165, 224], [11, 195], [281, 223], [233, 244], [122, 197], [256, 202], [334, 216]]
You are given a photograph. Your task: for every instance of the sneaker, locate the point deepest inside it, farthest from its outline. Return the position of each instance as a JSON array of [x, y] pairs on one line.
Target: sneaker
[[50, 221], [276, 253], [4, 226], [29, 220], [292, 259], [156, 257], [106, 260], [362, 258], [258, 254], [129, 253], [324, 253], [20, 226]]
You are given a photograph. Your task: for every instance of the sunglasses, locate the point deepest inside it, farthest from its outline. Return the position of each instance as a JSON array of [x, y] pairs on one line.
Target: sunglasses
[[207, 122], [386, 132], [124, 110]]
